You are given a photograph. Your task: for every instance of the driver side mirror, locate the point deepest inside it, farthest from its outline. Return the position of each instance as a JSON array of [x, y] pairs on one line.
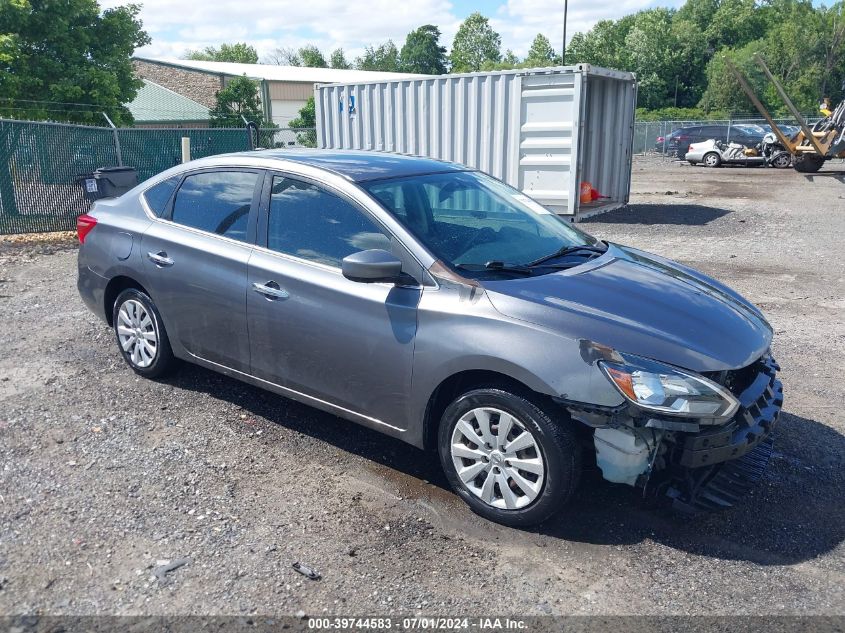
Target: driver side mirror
[[372, 266]]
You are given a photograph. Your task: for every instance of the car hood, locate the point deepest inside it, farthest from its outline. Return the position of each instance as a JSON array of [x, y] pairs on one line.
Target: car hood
[[641, 304]]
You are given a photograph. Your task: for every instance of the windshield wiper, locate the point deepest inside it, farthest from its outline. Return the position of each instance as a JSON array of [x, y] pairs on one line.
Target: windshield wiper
[[497, 266], [566, 250], [522, 269]]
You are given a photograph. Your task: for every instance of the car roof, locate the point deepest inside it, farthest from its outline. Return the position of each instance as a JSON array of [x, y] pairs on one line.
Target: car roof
[[361, 166]]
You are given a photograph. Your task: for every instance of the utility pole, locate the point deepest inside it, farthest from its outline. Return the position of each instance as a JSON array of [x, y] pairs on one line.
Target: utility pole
[[563, 49]]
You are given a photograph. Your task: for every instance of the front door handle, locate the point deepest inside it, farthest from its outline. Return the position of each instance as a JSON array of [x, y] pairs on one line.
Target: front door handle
[[270, 290], [160, 259]]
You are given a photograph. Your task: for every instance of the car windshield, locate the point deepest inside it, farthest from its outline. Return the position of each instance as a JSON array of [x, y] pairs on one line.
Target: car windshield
[[468, 220]]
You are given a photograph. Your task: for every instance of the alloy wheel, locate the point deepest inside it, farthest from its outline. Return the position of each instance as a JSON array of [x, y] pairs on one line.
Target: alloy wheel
[[497, 458], [711, 160], [136, 333]]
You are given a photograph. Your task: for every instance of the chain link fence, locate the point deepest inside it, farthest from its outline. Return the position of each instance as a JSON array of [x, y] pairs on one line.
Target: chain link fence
[[650, 136], [41, 163]]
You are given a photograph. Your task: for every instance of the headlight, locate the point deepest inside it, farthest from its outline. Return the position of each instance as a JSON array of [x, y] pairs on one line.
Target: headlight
[[670, 391]]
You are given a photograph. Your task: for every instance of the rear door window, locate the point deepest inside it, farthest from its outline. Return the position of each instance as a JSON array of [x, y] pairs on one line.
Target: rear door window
[[218, 202], [158, 196], [717, 132]]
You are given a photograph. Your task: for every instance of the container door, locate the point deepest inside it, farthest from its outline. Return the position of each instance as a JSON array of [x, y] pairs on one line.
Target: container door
[[548, 142]]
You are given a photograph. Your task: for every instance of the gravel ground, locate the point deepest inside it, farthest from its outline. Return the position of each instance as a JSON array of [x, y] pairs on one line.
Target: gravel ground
[[106, 477]]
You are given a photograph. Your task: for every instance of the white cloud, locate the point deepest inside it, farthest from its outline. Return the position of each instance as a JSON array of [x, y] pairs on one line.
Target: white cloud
[[519, 21], [267, 24]]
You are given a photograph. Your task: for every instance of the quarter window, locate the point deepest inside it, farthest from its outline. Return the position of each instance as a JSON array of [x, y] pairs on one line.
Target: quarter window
[[217, 202], [311, 223], [159, 195]]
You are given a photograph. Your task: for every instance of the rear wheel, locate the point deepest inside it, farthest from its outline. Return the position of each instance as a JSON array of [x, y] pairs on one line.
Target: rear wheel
[[141, 336], [808, 163], [712, 159], [507, 458]]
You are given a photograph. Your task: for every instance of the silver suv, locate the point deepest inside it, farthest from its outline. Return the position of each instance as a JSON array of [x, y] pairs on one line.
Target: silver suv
[[439, 306]]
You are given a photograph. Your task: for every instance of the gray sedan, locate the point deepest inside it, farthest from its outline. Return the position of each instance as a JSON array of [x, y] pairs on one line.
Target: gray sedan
[[438, 305]]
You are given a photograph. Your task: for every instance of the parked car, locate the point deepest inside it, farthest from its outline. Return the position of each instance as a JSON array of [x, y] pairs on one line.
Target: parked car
[[440, 306], [677, 143], [716, 153]]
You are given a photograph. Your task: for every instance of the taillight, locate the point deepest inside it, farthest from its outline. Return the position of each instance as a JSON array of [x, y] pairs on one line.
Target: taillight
[[84, 224]]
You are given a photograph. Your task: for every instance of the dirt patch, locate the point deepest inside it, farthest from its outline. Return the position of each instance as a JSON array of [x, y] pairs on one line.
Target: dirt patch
[[107, 477]]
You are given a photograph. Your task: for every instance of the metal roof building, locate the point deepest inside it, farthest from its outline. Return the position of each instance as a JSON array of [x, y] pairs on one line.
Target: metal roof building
[[284, 89], [155, 105]]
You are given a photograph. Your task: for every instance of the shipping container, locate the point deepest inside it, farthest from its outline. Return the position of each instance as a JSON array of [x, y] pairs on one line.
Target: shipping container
[[544, 131]]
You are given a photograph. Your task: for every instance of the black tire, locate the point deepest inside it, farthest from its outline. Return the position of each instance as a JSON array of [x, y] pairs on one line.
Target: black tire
[[782, 161], [554, 437], [162, 360], [808, 163], [714, 160]]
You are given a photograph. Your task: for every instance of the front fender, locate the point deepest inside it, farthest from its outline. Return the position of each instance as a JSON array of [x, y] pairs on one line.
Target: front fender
[[456, 334]]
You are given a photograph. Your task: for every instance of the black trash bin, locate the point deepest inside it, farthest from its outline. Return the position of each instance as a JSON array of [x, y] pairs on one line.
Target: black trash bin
[[108, 182]]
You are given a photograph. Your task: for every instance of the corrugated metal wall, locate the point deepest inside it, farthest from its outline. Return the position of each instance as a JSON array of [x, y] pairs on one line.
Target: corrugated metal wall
[[607, 140], [524, 127]]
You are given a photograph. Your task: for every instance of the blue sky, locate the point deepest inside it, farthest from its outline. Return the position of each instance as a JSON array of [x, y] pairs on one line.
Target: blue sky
[[179, 25]]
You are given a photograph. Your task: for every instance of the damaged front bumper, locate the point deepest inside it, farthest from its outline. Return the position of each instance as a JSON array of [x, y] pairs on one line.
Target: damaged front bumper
[[698, 467]]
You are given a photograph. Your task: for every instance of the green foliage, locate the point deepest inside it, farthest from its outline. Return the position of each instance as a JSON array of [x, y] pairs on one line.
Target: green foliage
[[509, 59], [422, 52], [239, 52], [385, 58], [680, 114], [307, 119], [67, 60], [475, 44], [311, 56], [678, 56], [541, 53], [238, 99], [338, 60]]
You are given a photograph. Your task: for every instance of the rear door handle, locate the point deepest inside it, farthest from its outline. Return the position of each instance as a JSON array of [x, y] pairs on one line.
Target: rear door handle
[[270, 290], [160, 259]]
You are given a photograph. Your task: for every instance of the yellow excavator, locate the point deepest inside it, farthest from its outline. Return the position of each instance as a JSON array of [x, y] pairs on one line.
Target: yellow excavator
[[811, 146]]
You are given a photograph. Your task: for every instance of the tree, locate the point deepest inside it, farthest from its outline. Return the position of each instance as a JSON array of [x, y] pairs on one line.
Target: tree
[[311, 56], [475, 44], [541, 53], [422, 52], [68, 60], [240, 53], [338, 60], [238, 99], [509, 59], [384, 58], [306, 122], [283, 57]]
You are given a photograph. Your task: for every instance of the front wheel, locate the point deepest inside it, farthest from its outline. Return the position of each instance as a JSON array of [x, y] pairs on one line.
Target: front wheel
[[782, 160], [141, 336], [808, 163], [507, 458]]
